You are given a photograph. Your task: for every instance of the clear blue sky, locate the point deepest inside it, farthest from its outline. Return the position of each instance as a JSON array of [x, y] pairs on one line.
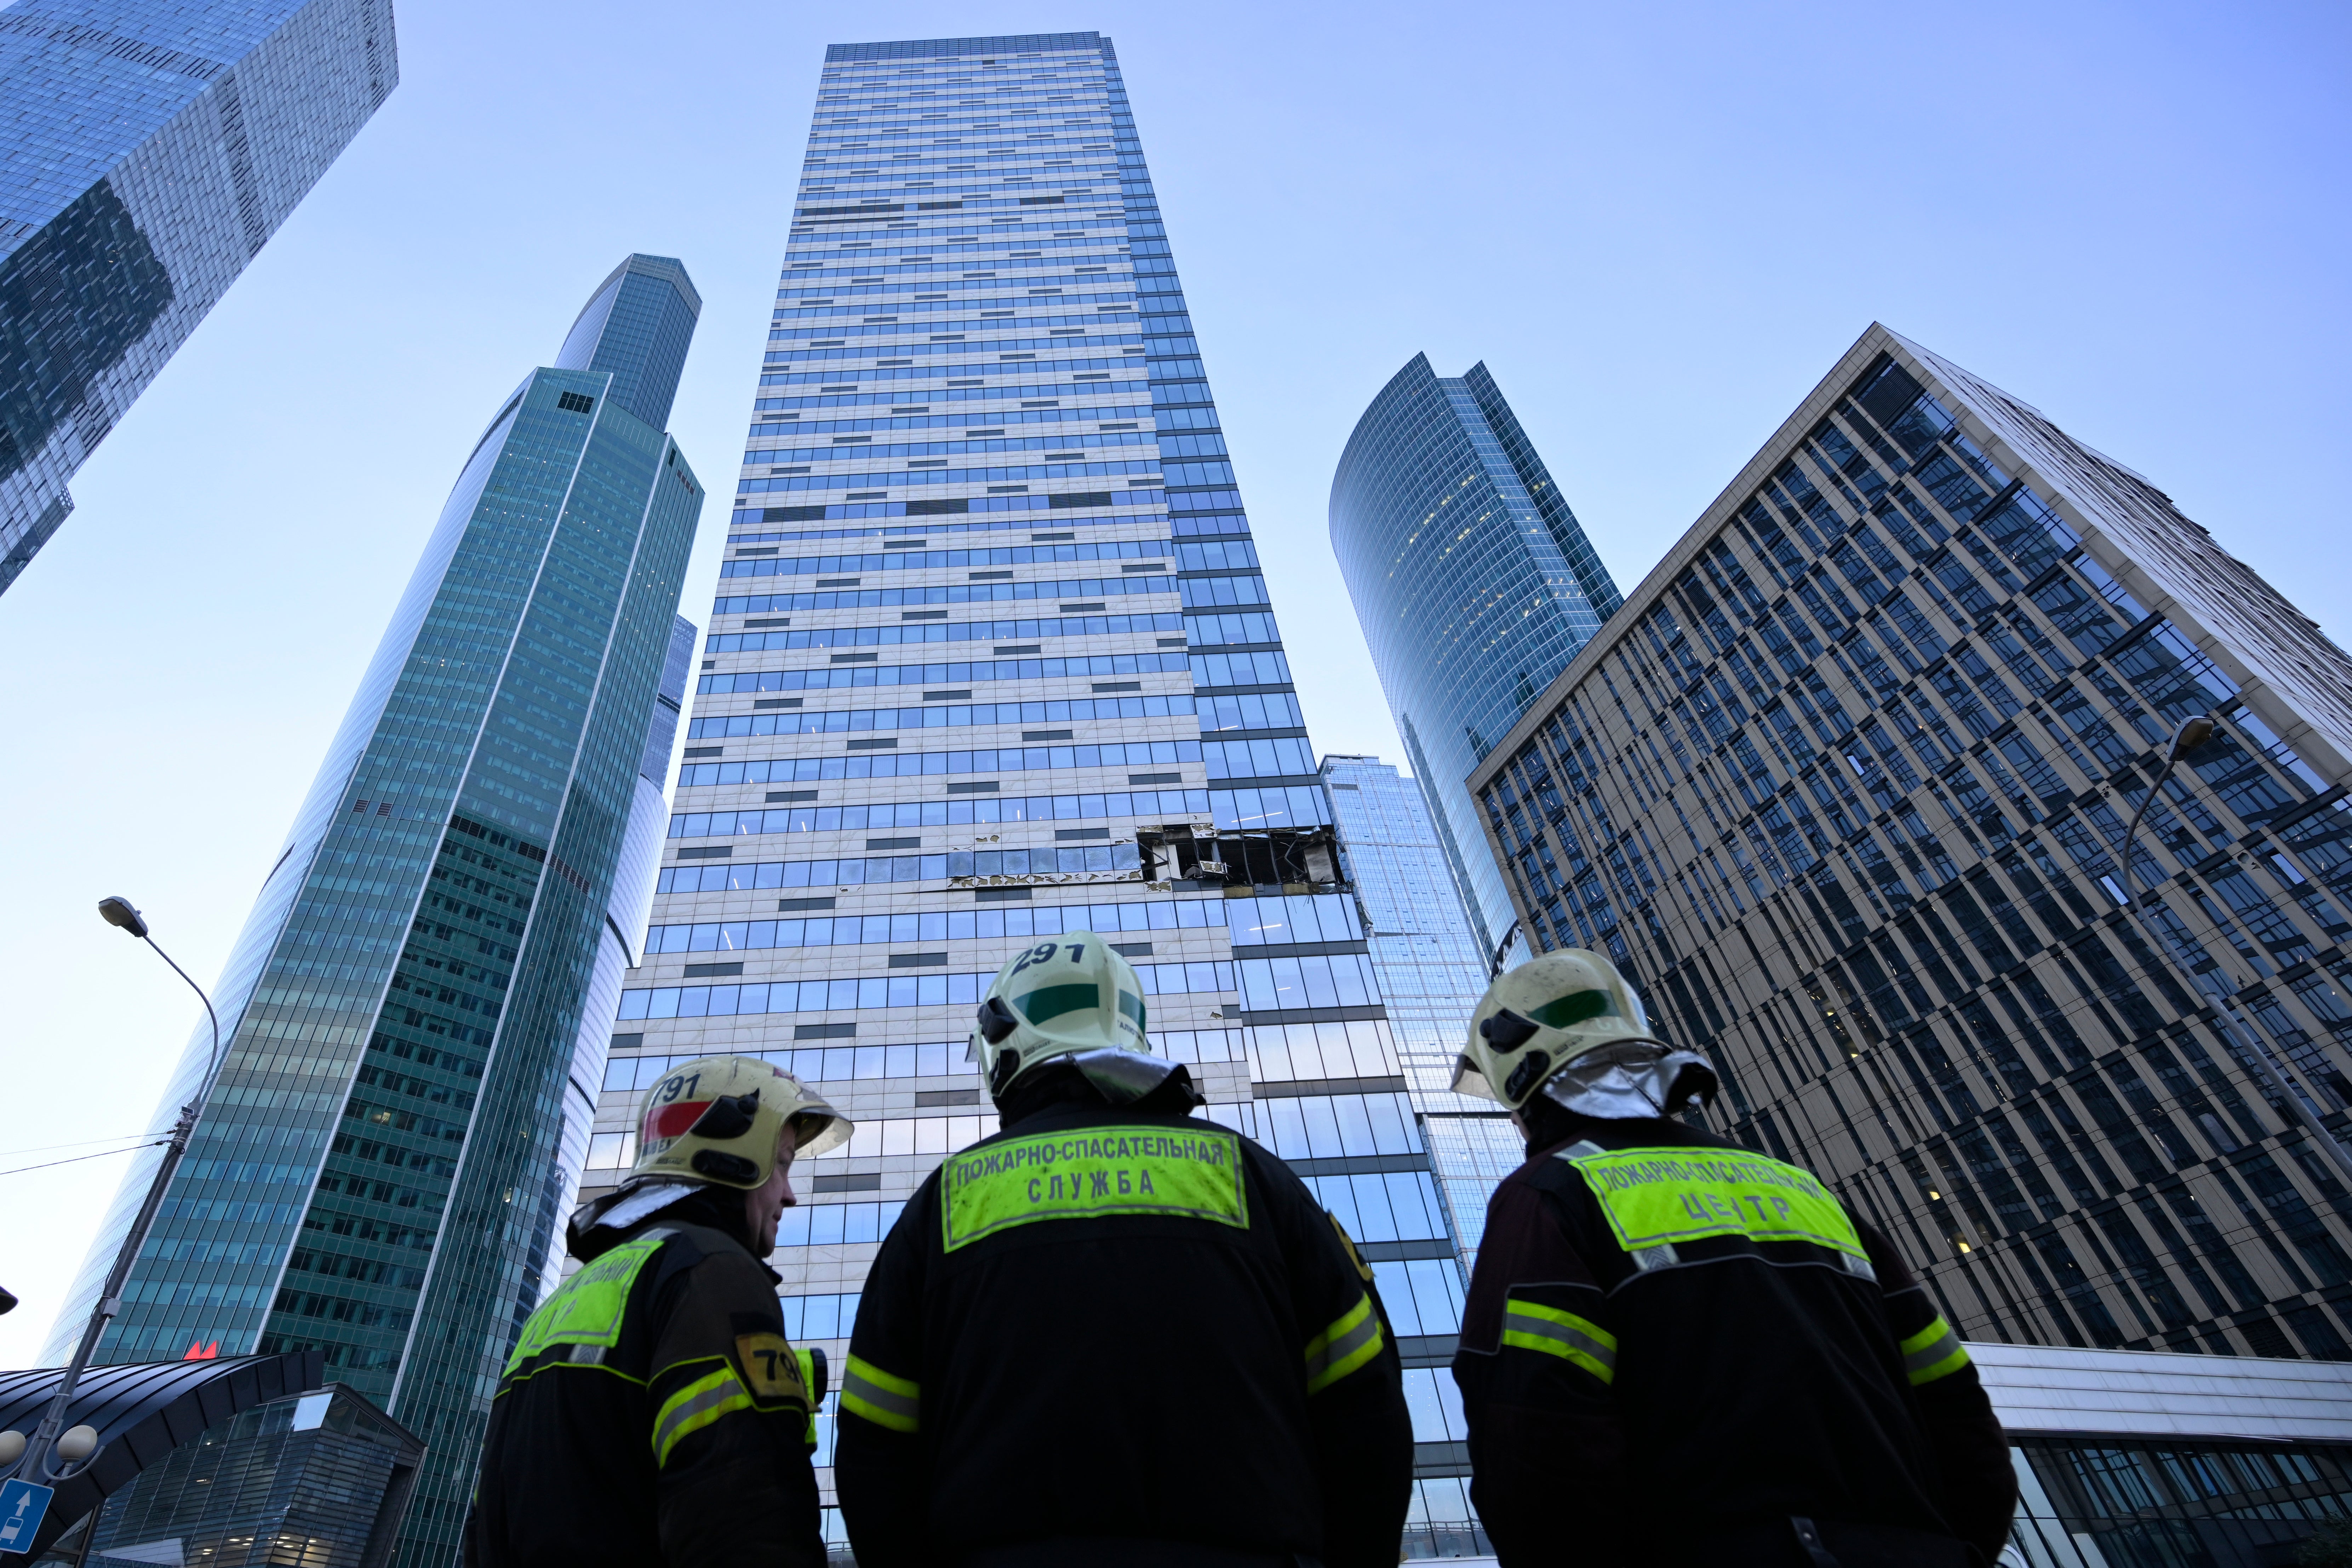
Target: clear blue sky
[[1657, 225]]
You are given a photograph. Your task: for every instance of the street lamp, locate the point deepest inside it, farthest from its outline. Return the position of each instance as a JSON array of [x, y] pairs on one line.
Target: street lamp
[[2194, 732], [32, 1458]]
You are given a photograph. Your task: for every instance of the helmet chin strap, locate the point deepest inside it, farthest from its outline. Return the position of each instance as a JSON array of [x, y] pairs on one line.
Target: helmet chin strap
[[1122, 1077], [1632, 1081]]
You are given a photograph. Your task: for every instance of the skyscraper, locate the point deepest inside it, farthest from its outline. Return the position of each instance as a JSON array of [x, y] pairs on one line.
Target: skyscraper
[[148, 150], [1473, 580], [984, 495], [379, 1171], [1432, 972], [1845, 789]]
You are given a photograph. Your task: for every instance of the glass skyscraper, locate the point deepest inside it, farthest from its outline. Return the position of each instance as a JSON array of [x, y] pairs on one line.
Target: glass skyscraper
[[147, 150], [1431, 973], [1845, 792], [1473, 580], [380, 1170], [993, 658]]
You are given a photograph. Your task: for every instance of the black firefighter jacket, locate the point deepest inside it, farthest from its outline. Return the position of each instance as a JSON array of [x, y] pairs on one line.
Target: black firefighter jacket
[[1675, 1346], [1113, 1337], [653, 1411]]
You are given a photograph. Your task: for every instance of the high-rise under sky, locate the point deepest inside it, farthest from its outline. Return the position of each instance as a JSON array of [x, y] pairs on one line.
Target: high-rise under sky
[[148, 148], [379, 1170], [1847, 791], [992, 659], [1474, 583]]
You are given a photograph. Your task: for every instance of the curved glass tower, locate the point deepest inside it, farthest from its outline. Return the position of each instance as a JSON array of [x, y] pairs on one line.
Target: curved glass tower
[[381, 1168], [1473, 580]]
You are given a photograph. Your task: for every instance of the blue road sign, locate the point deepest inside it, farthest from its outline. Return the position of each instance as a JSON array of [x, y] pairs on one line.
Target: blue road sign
[[22, 1505]]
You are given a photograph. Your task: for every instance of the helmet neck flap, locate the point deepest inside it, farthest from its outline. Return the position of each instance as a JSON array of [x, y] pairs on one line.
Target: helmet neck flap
[[1636, 1079]]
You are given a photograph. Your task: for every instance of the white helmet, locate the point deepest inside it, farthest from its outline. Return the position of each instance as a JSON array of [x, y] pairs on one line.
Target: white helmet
[[1071, 997], [720, 1118], [1539, 1020]]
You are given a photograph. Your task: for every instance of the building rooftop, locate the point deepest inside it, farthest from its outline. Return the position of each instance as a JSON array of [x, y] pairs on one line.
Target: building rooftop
[[2148, 1394]]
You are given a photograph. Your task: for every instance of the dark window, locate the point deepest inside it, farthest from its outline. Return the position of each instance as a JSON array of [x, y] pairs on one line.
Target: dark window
[[574, 402]]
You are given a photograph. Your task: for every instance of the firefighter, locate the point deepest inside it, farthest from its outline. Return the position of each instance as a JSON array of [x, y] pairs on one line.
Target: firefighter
[[1113, 1334], [652, 1411], [1678, 1351]]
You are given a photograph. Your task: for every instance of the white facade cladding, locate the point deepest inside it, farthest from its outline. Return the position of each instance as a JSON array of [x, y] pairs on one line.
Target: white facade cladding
[[992, 659]]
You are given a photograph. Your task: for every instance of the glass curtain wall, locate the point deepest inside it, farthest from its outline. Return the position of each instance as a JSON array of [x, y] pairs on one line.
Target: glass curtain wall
[[377, 1174], [152, 146], [1474, 583], [993, 658], [1432, 974]]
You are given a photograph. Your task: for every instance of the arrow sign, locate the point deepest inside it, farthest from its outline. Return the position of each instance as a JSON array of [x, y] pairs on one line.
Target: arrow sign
[[22, 1507]]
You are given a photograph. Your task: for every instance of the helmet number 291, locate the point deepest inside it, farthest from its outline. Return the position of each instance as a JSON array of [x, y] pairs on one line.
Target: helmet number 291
[[1044, 952]]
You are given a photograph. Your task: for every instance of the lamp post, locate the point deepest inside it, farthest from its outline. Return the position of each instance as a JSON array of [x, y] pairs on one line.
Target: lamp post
[[2194, 732], [78, 1446]]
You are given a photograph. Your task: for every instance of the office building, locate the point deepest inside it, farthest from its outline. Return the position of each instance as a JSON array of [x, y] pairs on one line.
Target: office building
[[148, 150], [1844, 787], [992, 659], [1473, 580], [625, 922], [321, 1478], [2125, 1457], [379, 1173], [143, 1414], [1431, 973]]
